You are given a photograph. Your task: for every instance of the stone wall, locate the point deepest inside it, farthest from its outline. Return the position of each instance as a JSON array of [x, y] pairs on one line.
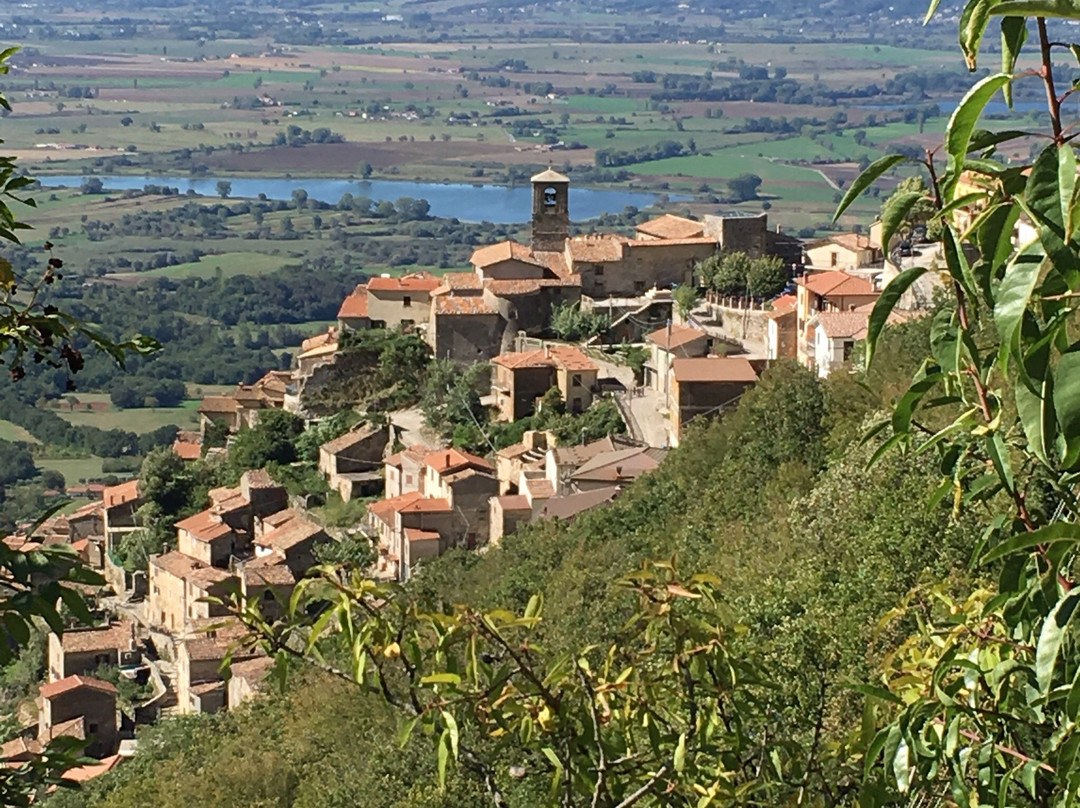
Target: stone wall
[[747, 326]]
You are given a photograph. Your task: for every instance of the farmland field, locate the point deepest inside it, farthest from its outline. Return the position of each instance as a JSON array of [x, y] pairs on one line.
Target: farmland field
[[140, 420], [14, 432], [75, 470]]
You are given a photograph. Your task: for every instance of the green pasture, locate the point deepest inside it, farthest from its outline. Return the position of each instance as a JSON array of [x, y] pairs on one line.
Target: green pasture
[[230, 264], [73, 469], [15, 433], [140, 420]]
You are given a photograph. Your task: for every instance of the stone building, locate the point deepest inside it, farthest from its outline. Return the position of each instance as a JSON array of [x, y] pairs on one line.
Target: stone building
[[519, 379], [705, 386], [89, 702], [83, 650]]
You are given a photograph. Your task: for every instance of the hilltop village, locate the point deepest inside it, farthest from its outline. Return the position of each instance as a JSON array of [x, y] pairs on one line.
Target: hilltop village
[[662, 357]]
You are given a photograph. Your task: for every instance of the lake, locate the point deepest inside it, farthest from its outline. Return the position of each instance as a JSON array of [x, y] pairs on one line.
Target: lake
[[470, 203]]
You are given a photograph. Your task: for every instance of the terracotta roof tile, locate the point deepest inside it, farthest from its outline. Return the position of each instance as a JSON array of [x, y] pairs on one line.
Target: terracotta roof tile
[[204, 526], [451, 305], [290, 534], [415, 534], [120, 494], [349, 439], [679, 335], [219, 404], [851, 241], [450, 460], [671, 227], [502, 251], [80, 774], [713, 369], [669, 242], [605, 249], [428, 505], [843, 324], [565, 357], [461, 281], [549, 175], [187, 451], [514, 502], [785, 304], [413, 282], [355, 305], [835, 283], [54, 689], [385, 509], [570, 505], [176, 563], [104, 638]]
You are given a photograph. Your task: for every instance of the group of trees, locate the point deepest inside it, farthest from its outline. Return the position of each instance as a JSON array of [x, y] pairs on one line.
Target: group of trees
[[735, 274]]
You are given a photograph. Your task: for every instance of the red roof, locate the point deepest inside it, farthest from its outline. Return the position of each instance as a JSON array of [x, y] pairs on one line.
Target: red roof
[[355, 305], [414, 282], [425, 505], [473, 304], [204, 526], [671, 227], [386, 508], [449, 460], [679, 335], [187, 451], [120, 494], [713, 369], [835, 283], [565, 357], [503, 251], [415, 534], [80, 774], [54, 689]]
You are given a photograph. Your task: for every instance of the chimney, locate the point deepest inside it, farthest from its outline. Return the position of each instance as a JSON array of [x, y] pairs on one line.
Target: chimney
[[547, 352]]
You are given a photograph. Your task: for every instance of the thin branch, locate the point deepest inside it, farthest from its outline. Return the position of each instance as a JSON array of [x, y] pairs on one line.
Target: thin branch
[[1047, 74], [526, 669], [641, 792], [601, 762]]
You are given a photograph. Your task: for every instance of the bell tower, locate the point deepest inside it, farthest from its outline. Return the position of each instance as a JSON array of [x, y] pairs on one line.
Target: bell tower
[[551, 211]]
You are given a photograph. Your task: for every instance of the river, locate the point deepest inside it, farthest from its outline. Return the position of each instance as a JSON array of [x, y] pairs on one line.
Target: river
[[470, 203]]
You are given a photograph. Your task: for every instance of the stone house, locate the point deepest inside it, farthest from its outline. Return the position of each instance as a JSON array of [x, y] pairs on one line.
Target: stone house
[[400, 302], [292, 542], [209, 539], [353, 314], [507, 260], [120, 502], [315, 352], [466, 328], [561, 462], [519, 379], [843, 251], [246, 680], [826, 291], [83, 650], [353, 461], [665, 344], [88, 701], [615, 266], [404, 471], [527, 456], [837, 332], [782, 328], [703, 387], [177, 582], [200, 684], [615, 469]]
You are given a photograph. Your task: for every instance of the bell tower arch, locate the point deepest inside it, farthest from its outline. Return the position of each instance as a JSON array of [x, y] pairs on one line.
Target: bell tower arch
[[550, 211]]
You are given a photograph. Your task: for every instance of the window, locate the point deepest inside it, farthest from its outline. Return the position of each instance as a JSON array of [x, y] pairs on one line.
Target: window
[[576, 406], [598, 270], [575, 380], [849, 347], [406, 302], [93, 728], [551, 197], [834, 259]]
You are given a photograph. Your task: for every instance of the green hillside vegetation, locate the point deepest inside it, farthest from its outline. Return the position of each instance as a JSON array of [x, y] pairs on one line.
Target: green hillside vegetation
[[811, 549]]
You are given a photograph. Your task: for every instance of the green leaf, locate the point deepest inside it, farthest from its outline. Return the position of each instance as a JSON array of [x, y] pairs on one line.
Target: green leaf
[[1051, 637], [680, 753], [1067, 403], [901, 767], [895, 213], [884, 305], [905, 407], [930, 11], [452, 728], [1069, 9], [1012, 299], [441, 679], [1051, 534], [1013, 37], [999, 456], [963, 120], [406, 731], [444, 757], [1072, 702], [536, 603], [1042, 202], [867, 178], [973, 20]]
